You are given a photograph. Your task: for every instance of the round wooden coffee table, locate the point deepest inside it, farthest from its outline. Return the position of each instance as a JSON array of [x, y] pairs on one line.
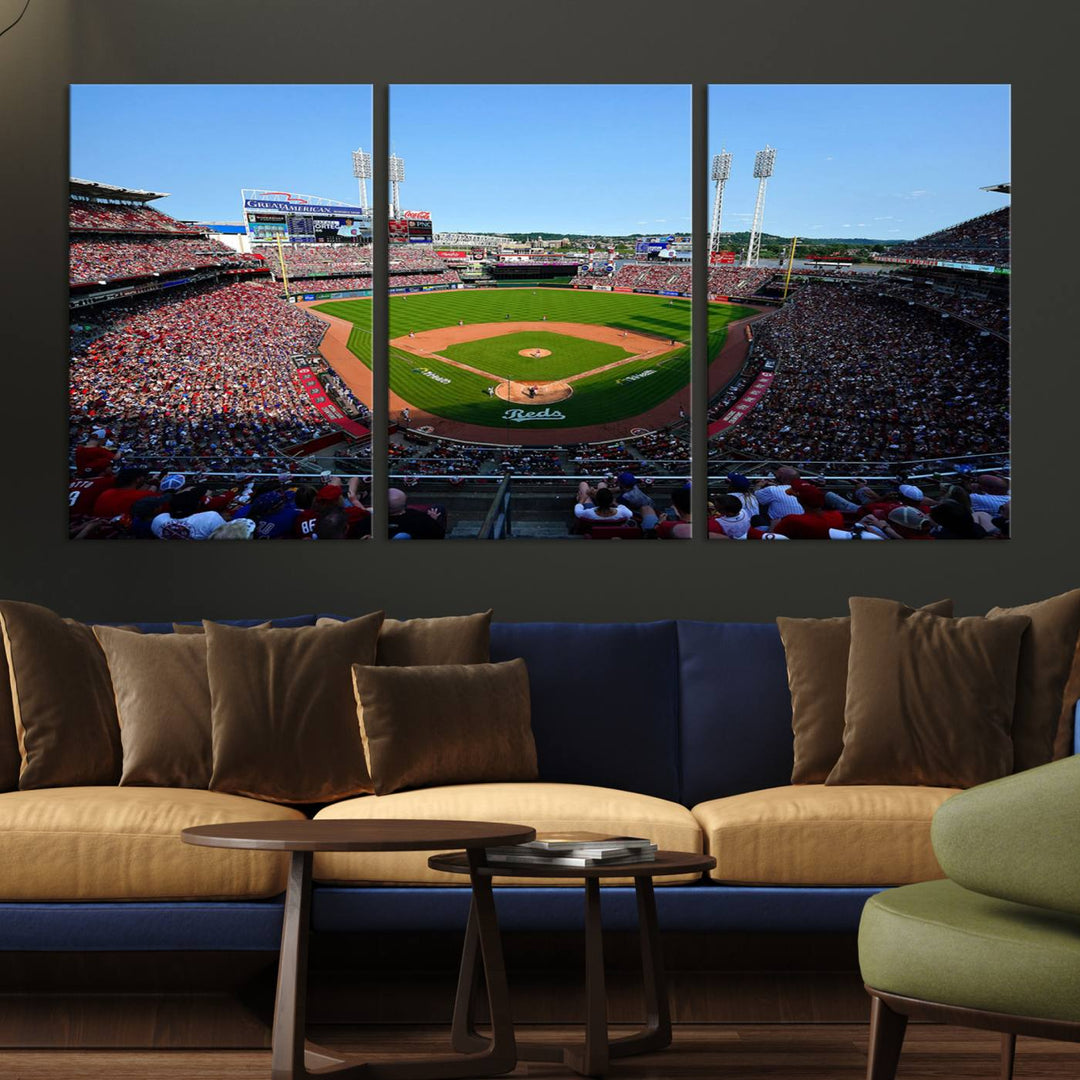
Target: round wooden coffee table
[[291, 1057], [591, 1058]]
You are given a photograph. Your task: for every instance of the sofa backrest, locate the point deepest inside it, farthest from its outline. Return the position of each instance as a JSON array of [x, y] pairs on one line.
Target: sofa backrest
[[605, 701], [686, 711], [735, 710], [167, 627]]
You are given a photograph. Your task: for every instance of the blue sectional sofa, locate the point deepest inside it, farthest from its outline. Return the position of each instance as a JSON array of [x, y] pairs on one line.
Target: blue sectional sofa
[[685, 724]]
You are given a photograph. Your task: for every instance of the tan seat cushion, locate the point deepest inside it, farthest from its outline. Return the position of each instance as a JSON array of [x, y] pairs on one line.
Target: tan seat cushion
[[810, 834], [546, 807], [123, 843]]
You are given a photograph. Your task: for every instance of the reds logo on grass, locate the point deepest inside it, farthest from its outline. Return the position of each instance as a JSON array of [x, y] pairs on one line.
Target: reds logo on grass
[[518, 416]]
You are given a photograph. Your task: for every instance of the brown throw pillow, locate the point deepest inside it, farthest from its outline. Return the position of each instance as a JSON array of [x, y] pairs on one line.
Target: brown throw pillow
[[816, 651], [454, 639], [283, 713], [163, 702], [929, 700], [9, 738], [446, 724], [62, 697], [197, 628], [1046, 656]]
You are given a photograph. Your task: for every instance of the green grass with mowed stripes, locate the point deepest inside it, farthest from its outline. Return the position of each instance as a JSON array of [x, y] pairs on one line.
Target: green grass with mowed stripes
[[446, 390], [501, 355]]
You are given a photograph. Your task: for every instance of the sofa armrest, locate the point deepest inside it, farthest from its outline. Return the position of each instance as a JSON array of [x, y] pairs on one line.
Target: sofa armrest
[[1017, 838]]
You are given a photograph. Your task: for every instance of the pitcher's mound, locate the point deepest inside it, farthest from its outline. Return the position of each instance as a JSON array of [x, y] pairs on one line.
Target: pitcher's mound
[[534, 354], [544, 393]]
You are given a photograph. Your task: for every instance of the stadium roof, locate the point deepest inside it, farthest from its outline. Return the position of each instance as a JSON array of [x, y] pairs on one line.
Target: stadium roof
[[1005, 188], [95, 190]]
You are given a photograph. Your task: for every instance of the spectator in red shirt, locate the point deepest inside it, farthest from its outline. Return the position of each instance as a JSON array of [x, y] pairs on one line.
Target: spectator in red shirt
[[815, 521], [92, 456], [129, 488], [680, 528]]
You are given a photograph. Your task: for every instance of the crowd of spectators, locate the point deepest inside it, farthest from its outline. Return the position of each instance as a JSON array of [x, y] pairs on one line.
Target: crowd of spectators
[[94, 216], [737, 280], [414, 257], [319, 259], [862, 377], [441, 277], [316, 260], [652, 276], [981, 240], [202, 375], [789, 506], [137, 503], [101, 260], [660, 277], [989, 312]]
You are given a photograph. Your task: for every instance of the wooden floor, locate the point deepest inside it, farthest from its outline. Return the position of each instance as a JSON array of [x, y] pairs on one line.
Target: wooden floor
[[736, 1052]]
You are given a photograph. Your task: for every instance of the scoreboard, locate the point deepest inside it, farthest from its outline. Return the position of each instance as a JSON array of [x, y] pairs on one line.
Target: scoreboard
[[419, 231], [303, 219]]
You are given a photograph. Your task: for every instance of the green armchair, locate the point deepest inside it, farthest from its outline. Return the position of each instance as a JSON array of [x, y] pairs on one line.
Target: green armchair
[[997, 944]]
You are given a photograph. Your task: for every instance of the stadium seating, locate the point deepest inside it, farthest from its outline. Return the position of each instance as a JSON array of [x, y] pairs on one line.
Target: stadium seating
[[201, 374], [668, 277], [112, 258], [981, 240], [867, 377], [93, 216]]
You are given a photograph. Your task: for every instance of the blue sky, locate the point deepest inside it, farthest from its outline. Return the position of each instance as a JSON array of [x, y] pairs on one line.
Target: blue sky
[[888, 162], [880, 161], [579, 159], [204, 143], [554, 158]]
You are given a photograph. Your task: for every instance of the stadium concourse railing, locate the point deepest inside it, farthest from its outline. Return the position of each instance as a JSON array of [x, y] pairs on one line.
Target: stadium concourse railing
[[846, 472]]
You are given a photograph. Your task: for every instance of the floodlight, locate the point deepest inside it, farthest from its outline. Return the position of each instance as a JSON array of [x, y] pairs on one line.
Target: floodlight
[[721, 166]]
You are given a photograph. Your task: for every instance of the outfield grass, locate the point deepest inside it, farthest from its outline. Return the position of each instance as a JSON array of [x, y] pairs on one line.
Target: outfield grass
[[569, 355], [598, 399]]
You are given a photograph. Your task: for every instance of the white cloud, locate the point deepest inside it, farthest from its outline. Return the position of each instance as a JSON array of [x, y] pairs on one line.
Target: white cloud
[[886, 217], [829, 158], [918, 193]]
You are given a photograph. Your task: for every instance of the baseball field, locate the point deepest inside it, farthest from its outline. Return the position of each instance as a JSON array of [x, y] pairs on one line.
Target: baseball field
[[516, 359]]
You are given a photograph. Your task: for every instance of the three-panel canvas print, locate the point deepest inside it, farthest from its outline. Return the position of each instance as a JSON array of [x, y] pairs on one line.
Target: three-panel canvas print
[[543, 267]]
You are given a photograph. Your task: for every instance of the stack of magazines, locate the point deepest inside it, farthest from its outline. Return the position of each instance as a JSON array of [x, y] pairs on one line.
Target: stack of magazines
[[575, 849]]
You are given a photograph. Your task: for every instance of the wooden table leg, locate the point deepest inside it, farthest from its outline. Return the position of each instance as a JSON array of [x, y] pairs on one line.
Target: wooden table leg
[[592, 1059], [290, 1004], [464, 1037], [656, 1034], [292, 1058]]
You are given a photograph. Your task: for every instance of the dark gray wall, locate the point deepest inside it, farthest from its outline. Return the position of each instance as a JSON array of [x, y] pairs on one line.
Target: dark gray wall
[[558, 40]]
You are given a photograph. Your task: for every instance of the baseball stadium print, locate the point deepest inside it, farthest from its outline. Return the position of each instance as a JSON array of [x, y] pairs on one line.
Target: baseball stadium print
[[204, 403], [539, 306], [867, 396]]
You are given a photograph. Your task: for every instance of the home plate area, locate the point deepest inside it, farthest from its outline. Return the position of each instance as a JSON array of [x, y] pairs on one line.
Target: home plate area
[[517, 383], [532, 393]]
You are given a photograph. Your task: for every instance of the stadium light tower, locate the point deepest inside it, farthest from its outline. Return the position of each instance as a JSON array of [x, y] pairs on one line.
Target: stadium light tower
[[397, 176], [764, 160], [361, 169], [721, 170]]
